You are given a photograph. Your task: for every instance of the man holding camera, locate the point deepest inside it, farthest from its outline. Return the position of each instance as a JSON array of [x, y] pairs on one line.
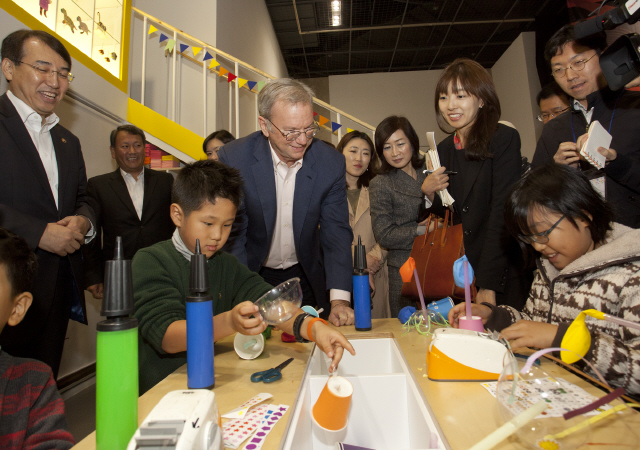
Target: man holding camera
[[575, 67]]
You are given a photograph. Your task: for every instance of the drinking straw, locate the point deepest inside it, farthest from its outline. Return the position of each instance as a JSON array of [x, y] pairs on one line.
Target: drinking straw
[[609, 318], [415, 275], [511, 426], [467, 289]]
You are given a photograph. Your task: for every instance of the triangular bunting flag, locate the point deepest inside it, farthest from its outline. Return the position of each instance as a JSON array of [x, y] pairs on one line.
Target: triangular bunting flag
[[196, 50], [207, 56], [322, 120], [251, 84], [163, 37], [223, 71], [170, 44], [335, 127], [231, 77], [315, 114], [152, 29], [349, 130], [183, 48], [260, 85], [214, 64], [241, 82]]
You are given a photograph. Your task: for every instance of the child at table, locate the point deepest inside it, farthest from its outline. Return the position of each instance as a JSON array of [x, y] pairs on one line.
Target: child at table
[[585, 261], [31, 409], [205, 197]]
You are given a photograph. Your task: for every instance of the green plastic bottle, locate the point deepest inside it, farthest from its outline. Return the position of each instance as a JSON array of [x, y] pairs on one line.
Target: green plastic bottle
[[117, 358]]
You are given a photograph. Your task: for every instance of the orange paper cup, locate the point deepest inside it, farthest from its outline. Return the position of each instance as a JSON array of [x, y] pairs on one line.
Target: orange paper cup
[[332, 407]]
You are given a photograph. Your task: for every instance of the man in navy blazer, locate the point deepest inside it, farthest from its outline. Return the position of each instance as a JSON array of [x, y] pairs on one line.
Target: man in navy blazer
[[42, 191], [294, 220], [132, 202]]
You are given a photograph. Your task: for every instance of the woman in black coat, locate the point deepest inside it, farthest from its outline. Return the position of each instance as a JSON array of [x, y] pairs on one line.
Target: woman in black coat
[[486, 156]]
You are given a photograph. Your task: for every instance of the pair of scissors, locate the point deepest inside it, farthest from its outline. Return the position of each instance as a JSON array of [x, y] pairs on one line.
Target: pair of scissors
[[270, 375]]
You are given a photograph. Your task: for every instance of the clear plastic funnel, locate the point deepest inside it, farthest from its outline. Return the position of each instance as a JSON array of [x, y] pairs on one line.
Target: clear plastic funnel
[[280, 303]]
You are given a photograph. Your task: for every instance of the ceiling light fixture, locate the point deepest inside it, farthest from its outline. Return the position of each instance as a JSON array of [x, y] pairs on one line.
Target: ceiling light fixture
[[335, 13]]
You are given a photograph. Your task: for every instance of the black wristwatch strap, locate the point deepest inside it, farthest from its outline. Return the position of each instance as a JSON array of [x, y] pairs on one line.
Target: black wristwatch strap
[[296, 327]]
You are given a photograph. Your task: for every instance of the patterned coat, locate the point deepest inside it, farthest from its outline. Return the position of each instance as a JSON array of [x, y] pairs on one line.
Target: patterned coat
[[606, 279]]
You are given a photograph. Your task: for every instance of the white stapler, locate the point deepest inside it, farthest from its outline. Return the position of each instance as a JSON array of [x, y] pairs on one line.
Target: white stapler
[[182, 420]]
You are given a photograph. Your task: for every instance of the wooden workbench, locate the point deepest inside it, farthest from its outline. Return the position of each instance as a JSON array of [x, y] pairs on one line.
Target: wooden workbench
[[465, 411]]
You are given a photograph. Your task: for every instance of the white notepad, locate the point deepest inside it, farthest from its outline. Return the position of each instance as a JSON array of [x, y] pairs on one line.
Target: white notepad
[[432, 154], [598, 137]]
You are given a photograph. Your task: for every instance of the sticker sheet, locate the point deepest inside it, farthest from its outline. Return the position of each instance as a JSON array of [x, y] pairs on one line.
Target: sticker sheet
[[270, 419], [236, 431], [560, 399], [241, 410]]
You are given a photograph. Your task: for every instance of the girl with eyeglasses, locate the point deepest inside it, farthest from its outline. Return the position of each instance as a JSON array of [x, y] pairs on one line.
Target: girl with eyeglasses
[[584, 261]]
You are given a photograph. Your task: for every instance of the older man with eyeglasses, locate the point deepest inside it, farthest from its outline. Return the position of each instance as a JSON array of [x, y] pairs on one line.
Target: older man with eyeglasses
[[575, 66], [294, 220], [42, 191]]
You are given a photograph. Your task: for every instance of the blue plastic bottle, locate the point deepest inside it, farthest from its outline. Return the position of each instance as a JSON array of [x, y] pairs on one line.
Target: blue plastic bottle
[[361, 293], [200, 374]]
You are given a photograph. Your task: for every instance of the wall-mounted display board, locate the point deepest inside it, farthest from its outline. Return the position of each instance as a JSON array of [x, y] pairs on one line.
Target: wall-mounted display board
[[97, 30]]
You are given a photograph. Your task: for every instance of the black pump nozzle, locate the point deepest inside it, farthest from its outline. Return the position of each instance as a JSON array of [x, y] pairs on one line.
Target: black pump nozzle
[[118, 285], [359, 258], [198, 282]]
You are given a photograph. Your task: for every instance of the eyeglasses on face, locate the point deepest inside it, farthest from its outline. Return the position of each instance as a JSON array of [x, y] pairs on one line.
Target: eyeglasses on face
[[556, 112], [47, 71], [293, 135], [560, 72], [540, 238]]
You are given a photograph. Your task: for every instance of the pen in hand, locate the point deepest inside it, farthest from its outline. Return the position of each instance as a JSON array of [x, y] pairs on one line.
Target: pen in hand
[[446, 172]]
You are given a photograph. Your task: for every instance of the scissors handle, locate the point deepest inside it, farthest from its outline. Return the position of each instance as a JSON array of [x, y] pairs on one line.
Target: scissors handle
[[267, 376]]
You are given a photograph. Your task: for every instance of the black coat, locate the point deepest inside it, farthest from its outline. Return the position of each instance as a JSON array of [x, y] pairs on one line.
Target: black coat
[[27, 204], [116, 216], [622, 184], [485, 186]]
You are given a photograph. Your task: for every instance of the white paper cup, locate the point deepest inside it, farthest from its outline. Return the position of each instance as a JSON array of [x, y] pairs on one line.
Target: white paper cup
[[253, 350]]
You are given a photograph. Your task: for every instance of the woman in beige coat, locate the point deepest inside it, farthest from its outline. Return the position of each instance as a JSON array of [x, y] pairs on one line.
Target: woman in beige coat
[[360, 158]]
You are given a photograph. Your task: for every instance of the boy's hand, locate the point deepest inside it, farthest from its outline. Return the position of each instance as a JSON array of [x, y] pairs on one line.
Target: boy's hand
[[527, 333], [459, 310], [241, 320], [331, 342]]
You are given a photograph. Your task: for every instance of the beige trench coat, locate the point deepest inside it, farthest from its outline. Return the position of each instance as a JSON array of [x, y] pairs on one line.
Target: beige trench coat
[[361, 225]]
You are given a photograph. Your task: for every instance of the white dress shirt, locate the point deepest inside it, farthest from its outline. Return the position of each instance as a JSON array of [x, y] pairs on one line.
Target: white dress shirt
[[579, 107], [282, 253], [136, 190], [41, 137]]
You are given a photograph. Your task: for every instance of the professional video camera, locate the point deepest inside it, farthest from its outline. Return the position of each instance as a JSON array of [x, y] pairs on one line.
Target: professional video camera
[[620, 62]]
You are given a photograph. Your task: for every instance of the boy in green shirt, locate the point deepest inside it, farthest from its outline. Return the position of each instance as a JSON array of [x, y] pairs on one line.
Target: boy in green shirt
[[206, 195]]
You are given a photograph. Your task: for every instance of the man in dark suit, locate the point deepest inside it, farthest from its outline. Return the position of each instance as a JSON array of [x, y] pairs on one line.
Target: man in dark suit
[[42, 191], [294, 221], [132, 202]]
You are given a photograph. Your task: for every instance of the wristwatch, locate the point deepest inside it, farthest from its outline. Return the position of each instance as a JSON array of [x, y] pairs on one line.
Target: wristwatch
[[297, 324]]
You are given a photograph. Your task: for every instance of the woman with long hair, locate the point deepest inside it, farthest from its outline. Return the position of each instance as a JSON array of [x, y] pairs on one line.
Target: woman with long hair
[[485, 155], [396, 199], [361, 160]]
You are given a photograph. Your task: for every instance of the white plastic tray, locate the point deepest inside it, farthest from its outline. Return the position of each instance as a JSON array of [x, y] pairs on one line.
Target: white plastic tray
[[388, 409]]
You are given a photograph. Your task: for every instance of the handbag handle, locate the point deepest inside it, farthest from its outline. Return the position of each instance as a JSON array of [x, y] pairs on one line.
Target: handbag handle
[[426, 233], [448, 219]]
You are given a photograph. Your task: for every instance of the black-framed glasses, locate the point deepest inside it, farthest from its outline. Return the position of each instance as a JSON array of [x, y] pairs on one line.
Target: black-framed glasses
[[556, 112], [540, 238], [560, 72], [47, 71], [293, 135]]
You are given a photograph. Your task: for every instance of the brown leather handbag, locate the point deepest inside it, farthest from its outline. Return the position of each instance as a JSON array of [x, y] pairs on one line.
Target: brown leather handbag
[[434, 254]]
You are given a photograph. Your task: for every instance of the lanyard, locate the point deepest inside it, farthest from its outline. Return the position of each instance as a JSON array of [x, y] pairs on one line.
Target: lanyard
[[615, 105]]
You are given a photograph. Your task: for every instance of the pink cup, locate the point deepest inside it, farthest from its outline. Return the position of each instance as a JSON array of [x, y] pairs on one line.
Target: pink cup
[[473, 324]]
